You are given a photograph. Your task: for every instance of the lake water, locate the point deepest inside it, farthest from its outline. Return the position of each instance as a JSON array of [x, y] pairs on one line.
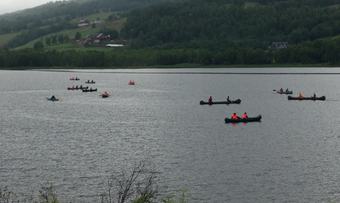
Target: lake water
[[293, 155]]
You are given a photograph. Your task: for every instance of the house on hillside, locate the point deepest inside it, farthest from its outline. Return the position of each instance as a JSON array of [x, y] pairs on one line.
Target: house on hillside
[[115, 45], [95, 39], [278, 45], [83, 23]]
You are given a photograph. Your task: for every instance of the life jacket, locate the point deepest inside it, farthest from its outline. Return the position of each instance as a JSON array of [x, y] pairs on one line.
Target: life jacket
[[244, 116], [234, 117]]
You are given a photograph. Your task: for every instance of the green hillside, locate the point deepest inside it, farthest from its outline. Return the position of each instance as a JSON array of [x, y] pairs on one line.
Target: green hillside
[[170, 32], [32, 24]]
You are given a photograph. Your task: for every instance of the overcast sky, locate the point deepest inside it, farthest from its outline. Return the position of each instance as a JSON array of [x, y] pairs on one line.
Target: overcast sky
[[14, 5]]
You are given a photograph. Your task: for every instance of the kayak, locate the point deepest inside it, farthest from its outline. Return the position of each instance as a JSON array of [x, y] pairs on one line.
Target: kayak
[[104, 95], [90, 90], [323, 98], [285, 92], [244, 120], [90, 82], [52, 99], [237, 101]]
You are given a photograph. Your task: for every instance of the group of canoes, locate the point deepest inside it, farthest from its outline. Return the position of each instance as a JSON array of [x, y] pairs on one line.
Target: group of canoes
[[300, 96], [104, 94], [234, 118], [244, 118]]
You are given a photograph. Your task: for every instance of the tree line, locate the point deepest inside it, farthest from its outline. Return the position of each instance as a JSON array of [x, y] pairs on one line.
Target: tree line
[[318, 52]]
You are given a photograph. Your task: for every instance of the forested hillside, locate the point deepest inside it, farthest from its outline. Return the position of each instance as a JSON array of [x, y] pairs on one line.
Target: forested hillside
[[55, 17], [169, 32], [221, 23]]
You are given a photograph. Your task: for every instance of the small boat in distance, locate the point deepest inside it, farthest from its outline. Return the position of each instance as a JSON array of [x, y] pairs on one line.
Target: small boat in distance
[[244, 120], [131, 82], [313, 98], [74, 78], [90, 82], [281, 91], [52, 98], [77, 88], [237, 101], [105, 94], [90, 90]]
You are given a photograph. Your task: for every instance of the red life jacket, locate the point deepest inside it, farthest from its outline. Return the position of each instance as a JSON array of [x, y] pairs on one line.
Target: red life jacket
[[244, 116], [234, 117]]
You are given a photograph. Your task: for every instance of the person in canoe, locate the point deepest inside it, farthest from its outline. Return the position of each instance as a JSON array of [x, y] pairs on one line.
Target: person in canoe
[[281, 90], [287, 90], [314, 96], [228, 100], [210, 100], [234, 116], [245, 115], [300, 95]]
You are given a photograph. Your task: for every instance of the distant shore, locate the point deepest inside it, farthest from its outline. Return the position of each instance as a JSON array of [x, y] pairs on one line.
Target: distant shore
[[177, 66]]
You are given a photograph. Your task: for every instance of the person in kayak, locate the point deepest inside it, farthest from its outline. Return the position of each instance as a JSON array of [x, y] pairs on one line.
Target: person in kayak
[[281, 90], [287, 90], [300, 95], [314, 95], [234, 116], [53, 97], [228, 100], [245, 115], [210, 100]]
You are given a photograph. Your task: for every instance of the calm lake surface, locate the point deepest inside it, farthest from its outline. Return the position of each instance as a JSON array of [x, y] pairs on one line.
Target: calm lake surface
[[293, 155]]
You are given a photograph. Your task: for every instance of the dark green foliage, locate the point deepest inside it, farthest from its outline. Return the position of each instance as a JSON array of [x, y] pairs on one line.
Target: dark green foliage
[[320, 51], [54, 13], [77, 36], [220, 22], [34, 33], [38, 45]]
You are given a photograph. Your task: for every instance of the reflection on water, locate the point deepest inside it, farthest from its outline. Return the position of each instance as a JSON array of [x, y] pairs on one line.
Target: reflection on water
[[291, 156]]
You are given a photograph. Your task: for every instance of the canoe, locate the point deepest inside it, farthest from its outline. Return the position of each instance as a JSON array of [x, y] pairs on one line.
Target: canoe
[[87, 82], [323, 98], [53, 100], [285, 92], [77, 88], [74, 79], [237, 101], [243, 120], [89, 90]]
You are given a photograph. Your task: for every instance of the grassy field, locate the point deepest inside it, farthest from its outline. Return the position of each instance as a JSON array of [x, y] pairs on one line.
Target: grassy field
[[5, 38], [84, 31], [103, 16]]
